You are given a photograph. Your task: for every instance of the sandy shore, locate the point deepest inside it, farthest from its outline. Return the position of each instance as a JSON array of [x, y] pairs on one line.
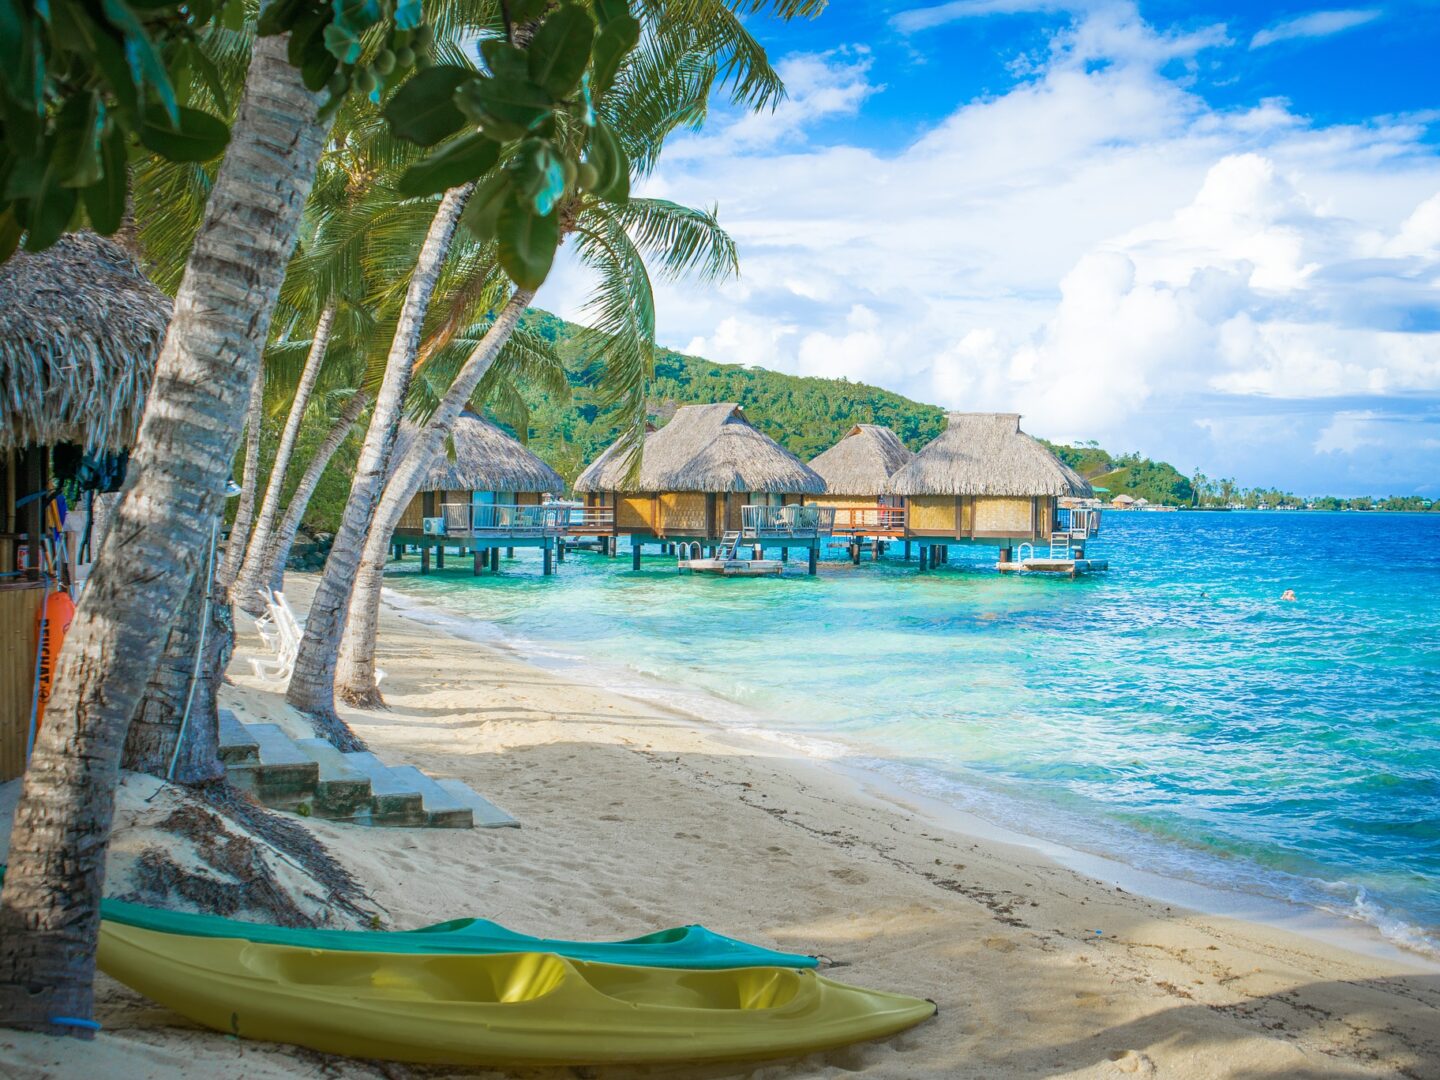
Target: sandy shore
[[635, 818]]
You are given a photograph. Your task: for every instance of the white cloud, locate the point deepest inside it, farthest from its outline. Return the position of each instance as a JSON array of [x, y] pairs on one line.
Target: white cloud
[[819, 86], [1314, 25], [925, 18], [1096, 248], [1347, 432]]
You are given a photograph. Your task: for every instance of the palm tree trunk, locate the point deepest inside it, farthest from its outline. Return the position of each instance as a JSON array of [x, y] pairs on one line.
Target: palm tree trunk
[[175, 708], [355, 673], [49, 908], [272, 569], [312, 686], [249, 481], [246, 587]]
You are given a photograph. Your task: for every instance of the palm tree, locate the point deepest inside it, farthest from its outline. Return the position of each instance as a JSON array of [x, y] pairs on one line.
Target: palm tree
[[683, 241], [247, 578], [664, 84], [49, 911]]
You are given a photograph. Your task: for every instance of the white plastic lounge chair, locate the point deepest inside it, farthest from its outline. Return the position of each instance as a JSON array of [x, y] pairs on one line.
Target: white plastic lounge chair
[[286, 643]]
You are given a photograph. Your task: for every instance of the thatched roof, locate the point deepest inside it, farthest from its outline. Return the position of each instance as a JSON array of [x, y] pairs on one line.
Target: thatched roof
[[705, 448], [486, 459], [986, 454], [861, 462], [80, 331]]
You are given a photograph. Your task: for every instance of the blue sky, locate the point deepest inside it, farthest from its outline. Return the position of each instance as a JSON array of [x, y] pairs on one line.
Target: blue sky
[[1207, 232]]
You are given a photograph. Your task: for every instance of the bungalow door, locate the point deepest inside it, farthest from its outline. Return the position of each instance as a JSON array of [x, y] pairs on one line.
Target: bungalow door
[[482, 510]]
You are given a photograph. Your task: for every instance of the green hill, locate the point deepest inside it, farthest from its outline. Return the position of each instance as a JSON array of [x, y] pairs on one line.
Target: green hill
[[1128, 474], [805, 415]]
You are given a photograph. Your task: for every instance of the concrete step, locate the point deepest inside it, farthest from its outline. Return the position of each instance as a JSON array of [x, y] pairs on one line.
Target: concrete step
[[282, 776], [343, 791], [393, 801], [442, 809], [487, 815], [237, 745]]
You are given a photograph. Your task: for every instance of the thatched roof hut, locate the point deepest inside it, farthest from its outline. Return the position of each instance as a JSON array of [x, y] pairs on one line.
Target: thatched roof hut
[[986, 454], [707, 448], [80, 332], [486, 459], [862, 462]]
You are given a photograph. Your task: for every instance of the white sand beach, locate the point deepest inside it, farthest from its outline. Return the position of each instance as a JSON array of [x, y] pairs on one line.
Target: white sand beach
[[635, 818]]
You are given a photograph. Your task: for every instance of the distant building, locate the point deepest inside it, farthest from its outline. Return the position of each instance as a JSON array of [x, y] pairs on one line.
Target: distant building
[[1122, 502]]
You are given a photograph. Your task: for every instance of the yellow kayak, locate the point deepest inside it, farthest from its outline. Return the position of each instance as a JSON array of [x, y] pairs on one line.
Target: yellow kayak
[[505, 1009]]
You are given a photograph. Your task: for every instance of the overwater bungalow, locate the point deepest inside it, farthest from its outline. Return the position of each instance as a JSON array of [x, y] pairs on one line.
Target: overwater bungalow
[[488, 496], [81, 328], [709, 478], [856, 471], [984, 481]]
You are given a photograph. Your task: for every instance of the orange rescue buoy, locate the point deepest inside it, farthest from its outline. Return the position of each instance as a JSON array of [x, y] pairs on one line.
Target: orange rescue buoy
[[59, 611]]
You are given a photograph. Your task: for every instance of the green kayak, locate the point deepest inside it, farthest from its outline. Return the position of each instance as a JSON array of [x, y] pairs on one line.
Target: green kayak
[[680, 947]]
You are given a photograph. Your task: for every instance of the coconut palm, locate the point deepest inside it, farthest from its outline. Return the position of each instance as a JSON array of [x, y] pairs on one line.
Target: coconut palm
[[49, 913], [612, 242], [664, 84]]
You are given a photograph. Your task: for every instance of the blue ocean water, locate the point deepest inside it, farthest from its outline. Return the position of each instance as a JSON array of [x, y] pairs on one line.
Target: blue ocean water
[[1173, 712]]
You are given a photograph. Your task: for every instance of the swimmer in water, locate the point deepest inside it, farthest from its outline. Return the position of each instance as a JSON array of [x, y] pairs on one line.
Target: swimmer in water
[[1288, 594]]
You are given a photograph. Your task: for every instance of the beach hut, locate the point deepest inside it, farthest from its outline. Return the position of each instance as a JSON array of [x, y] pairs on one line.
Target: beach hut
[[709, 477], [856, 470], [80, 331], [1123, 502], [485, 493], [984, 481]]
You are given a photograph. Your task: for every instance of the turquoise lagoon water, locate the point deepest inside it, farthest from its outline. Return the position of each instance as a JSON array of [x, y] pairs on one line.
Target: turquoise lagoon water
[[1172, 713]]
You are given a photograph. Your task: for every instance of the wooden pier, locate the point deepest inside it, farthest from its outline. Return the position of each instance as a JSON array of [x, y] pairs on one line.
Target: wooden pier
[[1064, 567]]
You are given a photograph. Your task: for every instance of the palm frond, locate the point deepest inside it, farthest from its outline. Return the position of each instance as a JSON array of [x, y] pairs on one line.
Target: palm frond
[[685, 241]]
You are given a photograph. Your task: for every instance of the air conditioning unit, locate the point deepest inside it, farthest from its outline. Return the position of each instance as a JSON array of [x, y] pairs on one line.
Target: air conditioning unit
[[434, 526]]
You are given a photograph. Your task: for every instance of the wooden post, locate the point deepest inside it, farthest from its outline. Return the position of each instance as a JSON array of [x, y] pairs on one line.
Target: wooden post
[[548, 558], [784, 554], [814, 558], [924, 558], [509, 552], [495, 559], [634, 553], [1004, 554], [855, 552], [559, 549], [424, 558], [478, 556], [759, 551], [439, 556], [907, 550]]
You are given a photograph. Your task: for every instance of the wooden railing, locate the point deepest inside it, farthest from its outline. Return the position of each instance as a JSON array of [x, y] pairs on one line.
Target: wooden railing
[[869, 520], [496, 519], [585, 519], [782, 522], [1078, 523]]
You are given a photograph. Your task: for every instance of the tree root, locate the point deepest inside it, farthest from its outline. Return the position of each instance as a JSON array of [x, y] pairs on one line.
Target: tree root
[[368, 698], [335, 731], [232, 871], [294, 840]]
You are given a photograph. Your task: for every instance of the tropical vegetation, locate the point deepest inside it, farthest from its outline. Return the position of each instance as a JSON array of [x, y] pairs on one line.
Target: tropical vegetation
[[427, 189]]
